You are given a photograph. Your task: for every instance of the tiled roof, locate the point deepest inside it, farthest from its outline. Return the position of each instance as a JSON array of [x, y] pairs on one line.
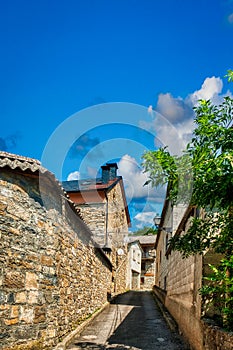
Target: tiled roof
[[89, 184], [96, 185], [14, 161], [149, 239]]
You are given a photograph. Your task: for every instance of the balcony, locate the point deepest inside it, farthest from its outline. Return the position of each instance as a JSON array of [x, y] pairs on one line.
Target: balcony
[[148, 255]]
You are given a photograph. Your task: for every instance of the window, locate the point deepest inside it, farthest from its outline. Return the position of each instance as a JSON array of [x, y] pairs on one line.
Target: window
[[134, 255], [166, 242], [165, 282]]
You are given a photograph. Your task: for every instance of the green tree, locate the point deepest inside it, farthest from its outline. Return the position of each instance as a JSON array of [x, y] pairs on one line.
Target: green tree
[[145, 231], [203, 176]]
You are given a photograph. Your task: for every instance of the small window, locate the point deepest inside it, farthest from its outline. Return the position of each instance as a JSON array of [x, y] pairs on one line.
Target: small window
[[166, 242], [165, 282], [134, 255]]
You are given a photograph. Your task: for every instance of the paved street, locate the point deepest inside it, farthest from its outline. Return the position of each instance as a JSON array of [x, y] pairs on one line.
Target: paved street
[[132, 322]]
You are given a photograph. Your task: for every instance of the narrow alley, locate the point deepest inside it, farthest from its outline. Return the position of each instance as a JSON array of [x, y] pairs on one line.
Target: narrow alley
[[132, 321]]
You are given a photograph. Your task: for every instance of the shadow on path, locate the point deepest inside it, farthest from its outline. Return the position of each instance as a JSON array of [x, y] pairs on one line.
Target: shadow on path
[[133, 322]]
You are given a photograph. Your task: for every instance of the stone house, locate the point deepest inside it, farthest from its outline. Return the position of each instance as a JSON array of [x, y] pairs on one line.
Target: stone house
[[134, 265], [102, 204], [52, 274], [148, 259], [178, 280]]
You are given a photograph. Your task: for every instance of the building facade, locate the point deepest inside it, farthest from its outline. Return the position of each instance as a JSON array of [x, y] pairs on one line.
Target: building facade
[[103, 206], [178, 280], [148, 259], [134, 265]]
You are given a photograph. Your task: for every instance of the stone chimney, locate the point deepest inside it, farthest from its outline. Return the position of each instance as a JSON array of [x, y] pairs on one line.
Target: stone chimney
[[112, 170], [105, 173], [109, 172]]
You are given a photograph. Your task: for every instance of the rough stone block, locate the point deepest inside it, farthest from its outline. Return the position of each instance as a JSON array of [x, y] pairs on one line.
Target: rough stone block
[[26, 333], [40, 314], [3, 207], [46, 260], [26, 314], [13, 230], [12, 321], [31, 281], [2, 297], [51, 332], [20, 297], [14, 279], [33, 297], [14, 311]]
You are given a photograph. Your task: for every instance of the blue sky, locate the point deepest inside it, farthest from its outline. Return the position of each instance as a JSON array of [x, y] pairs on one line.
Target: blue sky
[[60, 57]]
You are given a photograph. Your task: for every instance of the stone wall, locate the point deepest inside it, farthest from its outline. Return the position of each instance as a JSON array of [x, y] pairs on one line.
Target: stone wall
[[51, 277], [183, 301], [95, 217], [181, 279], [149, 282], [117, 220], [215, 337], [108, 222], [119, 270], [161, 261]]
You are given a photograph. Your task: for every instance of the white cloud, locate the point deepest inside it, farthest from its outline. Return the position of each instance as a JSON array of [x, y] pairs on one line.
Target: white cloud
[[175, 109], [175, 137], [133, 176], [174, 117], [145, 219], [134, 180], [74, 176], [210, 90]]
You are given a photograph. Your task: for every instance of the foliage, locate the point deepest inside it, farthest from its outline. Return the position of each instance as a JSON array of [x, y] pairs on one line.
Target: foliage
[[206, 164], [229, 75], [219, 290], [203, 176], [145, 231]]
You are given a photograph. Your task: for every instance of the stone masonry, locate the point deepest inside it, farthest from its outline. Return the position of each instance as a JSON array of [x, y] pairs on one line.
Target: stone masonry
[[95, 218], [51, 276], [177, 279], [103, 206]]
